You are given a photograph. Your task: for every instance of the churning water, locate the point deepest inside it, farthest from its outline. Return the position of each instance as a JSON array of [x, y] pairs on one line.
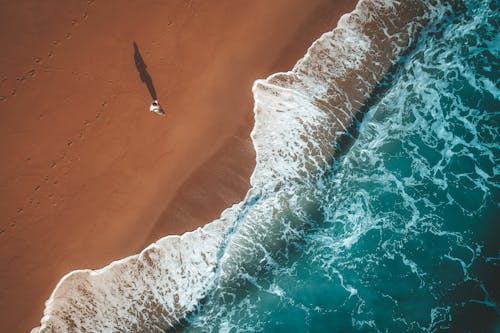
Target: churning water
[[402, 232], [374, 204]]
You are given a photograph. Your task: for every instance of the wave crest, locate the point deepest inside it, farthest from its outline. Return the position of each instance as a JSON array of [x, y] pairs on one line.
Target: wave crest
[[301, 119]]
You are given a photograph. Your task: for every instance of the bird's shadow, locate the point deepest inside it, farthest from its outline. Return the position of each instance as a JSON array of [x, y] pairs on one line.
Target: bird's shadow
[[143, 73]]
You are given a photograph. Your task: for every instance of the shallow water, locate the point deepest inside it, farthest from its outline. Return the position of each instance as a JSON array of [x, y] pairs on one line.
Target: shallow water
[[401, 232], [381, 223]]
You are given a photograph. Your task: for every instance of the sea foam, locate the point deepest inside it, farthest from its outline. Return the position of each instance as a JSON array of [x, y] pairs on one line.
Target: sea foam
[[302, 119]]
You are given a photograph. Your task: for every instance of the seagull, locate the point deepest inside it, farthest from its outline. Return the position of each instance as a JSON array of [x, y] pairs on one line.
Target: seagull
[[156, 108]]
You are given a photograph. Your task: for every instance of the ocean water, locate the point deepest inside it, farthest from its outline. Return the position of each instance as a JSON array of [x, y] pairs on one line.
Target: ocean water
[[374, 205], [401, 233]]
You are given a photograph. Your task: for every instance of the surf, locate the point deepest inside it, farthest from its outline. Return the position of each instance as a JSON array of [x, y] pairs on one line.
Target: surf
[[304, 120]]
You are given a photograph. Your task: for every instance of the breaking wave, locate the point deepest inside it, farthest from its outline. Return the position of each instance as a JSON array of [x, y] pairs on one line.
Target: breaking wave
[[304, 119]]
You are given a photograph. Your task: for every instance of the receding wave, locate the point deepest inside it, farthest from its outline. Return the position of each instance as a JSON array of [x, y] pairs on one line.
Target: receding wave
[[303, 119]]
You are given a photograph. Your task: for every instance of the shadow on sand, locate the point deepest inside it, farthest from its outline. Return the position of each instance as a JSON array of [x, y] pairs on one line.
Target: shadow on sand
[[141, 68]]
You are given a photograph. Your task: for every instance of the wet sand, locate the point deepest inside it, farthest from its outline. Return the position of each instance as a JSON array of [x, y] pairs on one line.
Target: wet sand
[[88, 174]]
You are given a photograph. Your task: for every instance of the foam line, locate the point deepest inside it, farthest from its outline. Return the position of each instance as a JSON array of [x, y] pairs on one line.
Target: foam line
[[300, 116]]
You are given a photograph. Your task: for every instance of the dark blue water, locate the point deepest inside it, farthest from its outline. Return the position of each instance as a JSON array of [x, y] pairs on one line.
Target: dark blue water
[[402, 234]]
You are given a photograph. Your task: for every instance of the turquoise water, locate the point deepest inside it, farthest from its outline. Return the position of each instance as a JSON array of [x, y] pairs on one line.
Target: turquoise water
[[401, 233]]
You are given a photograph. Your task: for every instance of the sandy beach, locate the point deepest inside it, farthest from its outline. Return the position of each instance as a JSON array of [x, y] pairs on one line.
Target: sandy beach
[[88, 174]]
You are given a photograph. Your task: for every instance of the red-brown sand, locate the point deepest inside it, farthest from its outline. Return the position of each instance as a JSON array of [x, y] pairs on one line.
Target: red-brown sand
[[87, 174]]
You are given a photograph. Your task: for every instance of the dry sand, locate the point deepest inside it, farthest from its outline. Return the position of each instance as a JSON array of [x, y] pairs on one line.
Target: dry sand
[[87, 174]]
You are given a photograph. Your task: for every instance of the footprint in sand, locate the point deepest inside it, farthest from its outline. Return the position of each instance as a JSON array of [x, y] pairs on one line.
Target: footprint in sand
[[56, 43]]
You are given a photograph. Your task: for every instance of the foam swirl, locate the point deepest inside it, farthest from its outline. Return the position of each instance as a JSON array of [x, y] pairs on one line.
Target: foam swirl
[[302, 117]]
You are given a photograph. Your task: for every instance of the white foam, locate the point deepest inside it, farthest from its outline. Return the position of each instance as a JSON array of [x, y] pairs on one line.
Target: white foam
[[299, 116], [150, 291]]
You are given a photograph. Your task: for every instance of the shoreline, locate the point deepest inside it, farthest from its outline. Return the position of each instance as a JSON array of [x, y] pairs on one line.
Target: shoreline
[[90, 164]]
